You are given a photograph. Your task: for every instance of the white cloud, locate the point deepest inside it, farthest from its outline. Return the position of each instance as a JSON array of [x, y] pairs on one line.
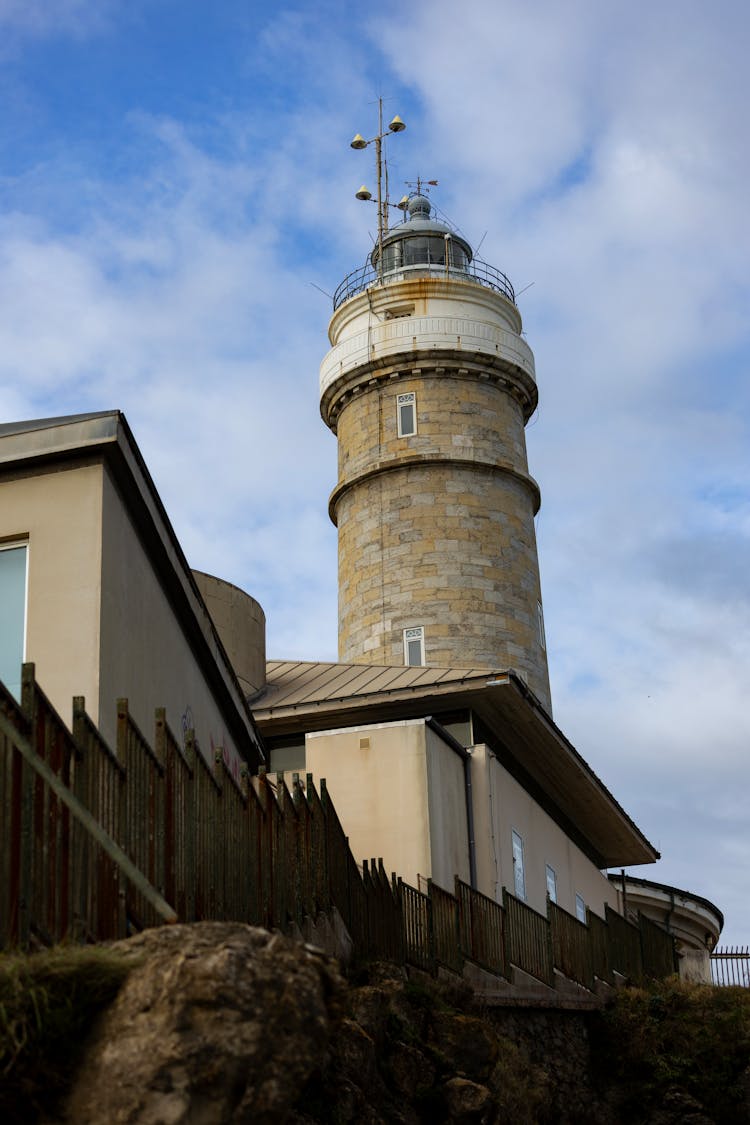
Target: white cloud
[[181, 300]]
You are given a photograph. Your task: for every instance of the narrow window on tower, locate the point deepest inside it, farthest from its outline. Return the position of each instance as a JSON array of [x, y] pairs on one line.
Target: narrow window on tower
[[414, 647], [580, 908], [407, 414], [540, 623]]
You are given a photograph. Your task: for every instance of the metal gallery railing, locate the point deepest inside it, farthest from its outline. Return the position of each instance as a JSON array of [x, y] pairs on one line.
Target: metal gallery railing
[[476, 271]]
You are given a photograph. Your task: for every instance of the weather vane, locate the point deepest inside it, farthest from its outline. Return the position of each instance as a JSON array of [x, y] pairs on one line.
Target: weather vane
[[422, 186], [359, 142]]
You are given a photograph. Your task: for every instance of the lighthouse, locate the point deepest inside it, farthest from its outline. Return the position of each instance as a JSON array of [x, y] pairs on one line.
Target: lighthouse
[[428, 386]]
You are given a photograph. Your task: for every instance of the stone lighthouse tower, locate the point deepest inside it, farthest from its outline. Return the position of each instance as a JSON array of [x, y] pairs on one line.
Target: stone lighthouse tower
[[428, 386]]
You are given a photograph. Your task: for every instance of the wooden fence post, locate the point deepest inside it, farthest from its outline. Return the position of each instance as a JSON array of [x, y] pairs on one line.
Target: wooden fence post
[[190, 825], [25, 833]]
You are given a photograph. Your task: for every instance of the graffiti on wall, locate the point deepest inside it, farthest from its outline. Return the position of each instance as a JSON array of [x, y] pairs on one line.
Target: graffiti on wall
[[218, 744]]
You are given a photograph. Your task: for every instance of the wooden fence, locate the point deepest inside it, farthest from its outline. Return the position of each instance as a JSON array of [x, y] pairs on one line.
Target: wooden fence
[[96, 844]]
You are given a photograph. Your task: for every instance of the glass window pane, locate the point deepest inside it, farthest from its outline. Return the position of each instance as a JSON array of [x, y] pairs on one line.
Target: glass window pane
[[551, 883], [580, 909], [437, 250], [518, 873], [12, 616], [407, 420], [414, 647], [415, 251], [392, 256], [407, 414]]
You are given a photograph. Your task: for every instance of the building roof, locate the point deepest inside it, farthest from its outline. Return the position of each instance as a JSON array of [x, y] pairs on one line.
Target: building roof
[[302, 697], [671, 898], [33, 425]]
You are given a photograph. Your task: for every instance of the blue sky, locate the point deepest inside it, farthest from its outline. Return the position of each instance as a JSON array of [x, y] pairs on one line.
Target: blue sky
[[176, 180]]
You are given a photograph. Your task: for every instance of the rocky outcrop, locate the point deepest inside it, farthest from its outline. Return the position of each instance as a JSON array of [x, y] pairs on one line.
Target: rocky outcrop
[[222, 1023], [225, 1023], [217, 1022], [412, 1051]]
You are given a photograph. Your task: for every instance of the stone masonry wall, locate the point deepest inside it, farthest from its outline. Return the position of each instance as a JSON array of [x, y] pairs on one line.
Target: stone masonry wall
[[459, 415], [437, 529]]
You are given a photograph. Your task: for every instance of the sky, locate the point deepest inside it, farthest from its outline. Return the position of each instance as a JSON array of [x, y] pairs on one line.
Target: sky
[[177, 199]]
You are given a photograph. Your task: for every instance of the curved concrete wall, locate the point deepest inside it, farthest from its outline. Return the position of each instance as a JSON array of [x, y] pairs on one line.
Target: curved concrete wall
[[241, 624]]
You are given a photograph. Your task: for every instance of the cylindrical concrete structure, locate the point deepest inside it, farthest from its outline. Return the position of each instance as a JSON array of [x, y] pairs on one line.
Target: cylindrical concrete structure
[[241, 624], [428, 386]]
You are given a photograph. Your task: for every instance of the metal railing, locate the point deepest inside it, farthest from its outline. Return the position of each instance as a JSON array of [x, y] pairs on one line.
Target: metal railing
[[529, 941], [417, 925], [481, 929], [386, 934], [477, 271], [623, 946], [730, 966], [572, 948], [599, 943], [446, 928], [657, 949], [95, 845]]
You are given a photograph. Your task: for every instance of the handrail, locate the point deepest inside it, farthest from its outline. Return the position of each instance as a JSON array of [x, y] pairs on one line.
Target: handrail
[[477, 271]]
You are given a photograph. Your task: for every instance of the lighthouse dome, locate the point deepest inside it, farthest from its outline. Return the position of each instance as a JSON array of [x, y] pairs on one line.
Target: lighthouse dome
[[422, 242]]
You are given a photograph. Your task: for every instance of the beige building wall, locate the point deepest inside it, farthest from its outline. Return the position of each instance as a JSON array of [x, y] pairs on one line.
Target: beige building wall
[[59, 515], [501, 805], [398, 790], [146, 655], [446, 796], [99, 623], [400, 793]]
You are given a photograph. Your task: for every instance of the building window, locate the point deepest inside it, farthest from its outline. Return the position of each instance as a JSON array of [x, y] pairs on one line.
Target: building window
[[398, 312], [580, 909], [13, 562], [551, 883], [540, 625], [414, 646], [407, 414], [519, 878]]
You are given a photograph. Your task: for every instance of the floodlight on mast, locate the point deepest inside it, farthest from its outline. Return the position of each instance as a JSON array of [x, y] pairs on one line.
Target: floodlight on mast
[[359, 142]]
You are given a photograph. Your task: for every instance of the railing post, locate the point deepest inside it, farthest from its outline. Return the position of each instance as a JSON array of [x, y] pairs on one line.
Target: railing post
[[123, 796], [266, 850], [122, 757], [190, 825], [160, 812], [25, 833], [167, 832], [81, 855], [328, 859]]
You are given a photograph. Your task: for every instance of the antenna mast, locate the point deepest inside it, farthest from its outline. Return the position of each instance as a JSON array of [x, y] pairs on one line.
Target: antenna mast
[[395, 126]]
